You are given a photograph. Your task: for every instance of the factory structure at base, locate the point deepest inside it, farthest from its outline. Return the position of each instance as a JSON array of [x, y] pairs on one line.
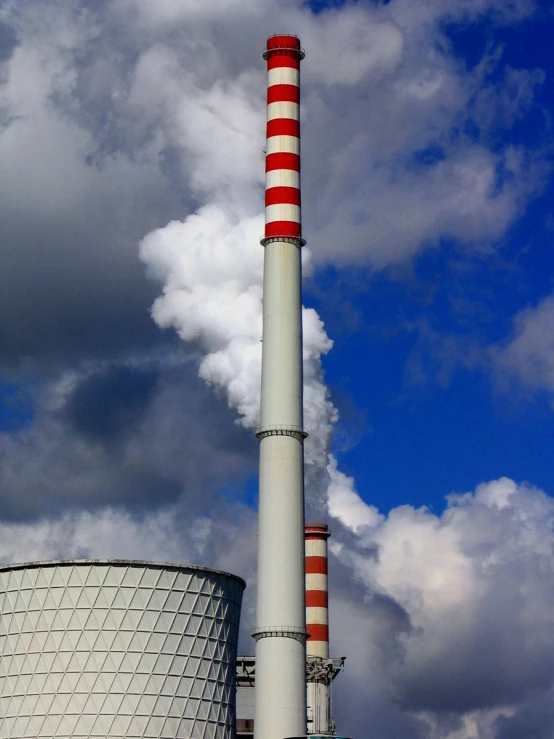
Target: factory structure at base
[[321, 669], [117, 649]]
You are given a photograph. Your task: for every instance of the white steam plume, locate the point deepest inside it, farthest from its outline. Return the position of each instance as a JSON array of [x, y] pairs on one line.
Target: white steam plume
[[211, 267]]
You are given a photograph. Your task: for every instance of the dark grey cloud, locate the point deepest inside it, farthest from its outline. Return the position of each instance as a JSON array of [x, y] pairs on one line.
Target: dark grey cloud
[[77, 196], [71, 284], [106, 406], [8, 41], [122, 435], [535, 718]]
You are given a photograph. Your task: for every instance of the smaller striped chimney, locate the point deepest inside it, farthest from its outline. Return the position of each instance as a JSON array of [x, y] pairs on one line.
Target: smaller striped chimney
[[317, 599]]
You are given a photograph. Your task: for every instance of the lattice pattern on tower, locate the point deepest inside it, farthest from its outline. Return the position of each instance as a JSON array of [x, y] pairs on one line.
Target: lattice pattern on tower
[[117, 649]]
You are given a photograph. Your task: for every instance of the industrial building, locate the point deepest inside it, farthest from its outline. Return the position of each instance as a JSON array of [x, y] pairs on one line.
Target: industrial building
[[117, 649], [112, 649], [321, 669]]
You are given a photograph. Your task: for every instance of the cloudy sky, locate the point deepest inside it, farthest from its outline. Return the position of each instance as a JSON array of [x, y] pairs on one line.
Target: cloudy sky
[[131, 199]]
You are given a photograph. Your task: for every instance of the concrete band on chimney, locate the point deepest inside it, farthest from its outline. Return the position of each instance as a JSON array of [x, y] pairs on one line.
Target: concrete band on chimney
[[317, 598]]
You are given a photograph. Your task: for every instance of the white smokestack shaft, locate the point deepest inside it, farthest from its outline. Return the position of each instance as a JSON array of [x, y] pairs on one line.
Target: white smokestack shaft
[[281, 618]]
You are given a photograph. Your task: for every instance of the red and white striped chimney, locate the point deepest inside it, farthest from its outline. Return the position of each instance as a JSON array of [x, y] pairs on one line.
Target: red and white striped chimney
[[317, 598], [282, 193]]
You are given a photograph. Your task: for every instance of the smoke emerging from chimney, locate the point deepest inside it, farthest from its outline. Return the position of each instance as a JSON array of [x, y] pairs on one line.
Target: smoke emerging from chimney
[[211, 264]]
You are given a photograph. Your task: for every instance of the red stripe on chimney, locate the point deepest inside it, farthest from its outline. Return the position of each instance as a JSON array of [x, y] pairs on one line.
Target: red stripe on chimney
[[316, 565], [317, 599], [318, 632], [283, 94]]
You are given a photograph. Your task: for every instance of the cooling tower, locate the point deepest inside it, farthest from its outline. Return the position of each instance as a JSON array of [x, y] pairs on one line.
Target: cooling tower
[[117, 649]]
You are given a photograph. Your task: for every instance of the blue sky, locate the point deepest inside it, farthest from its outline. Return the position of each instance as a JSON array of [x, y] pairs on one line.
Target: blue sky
[[131, 206], [444, 424], [418, 424]]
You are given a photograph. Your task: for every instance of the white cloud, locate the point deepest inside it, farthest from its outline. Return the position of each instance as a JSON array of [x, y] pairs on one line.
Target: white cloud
[[120, 118], [528, 355], [211, 268], [475, 587], [350, 45], [345, 505], [166, 13], [110, 533], [167, 535]]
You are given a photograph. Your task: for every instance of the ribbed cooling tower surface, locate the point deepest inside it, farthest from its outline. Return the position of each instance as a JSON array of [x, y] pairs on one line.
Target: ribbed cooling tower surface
[[117, 649]]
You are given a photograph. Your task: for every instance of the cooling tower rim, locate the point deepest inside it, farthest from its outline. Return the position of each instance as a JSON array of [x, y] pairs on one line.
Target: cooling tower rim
[[122, 563]]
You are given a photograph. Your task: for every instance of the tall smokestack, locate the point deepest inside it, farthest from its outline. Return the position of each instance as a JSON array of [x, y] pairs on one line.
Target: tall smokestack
[[281, 618]]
